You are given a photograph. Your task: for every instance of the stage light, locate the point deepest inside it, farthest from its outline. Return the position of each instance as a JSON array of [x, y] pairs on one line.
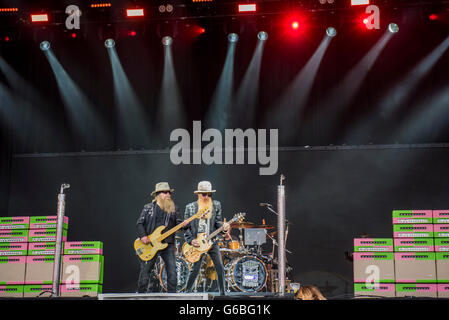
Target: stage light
[[8, 10], [135, 13], [233, 37], [295, 25], [262, 35], [73, 35], [359, 2], [109, 43], [45, 45], [331, 32], [247, 7], [393, 28], [7, 39], [100, 5], [433, 17], [132, 33], [39, 17], [167, 40]]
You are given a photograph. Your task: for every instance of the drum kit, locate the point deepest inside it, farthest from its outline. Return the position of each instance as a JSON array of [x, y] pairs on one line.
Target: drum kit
[[247, 268]]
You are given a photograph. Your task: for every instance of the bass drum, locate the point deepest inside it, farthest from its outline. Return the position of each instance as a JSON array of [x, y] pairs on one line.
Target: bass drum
[[246, 274], [182, 274]]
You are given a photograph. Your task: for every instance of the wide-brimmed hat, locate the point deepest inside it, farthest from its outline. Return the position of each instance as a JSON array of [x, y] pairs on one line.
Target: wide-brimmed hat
[[204, 187], [162, 186]]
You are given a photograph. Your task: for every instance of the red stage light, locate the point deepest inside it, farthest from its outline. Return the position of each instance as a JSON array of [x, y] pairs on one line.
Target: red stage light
[[43, 17], [135, 13], [132, 33], [73, 35], [247, 7], [433, 17], [7, 39], [295, 25]]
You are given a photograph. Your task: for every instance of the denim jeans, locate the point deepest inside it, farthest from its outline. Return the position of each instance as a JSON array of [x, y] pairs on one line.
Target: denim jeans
[[168, 256], [215, 255]]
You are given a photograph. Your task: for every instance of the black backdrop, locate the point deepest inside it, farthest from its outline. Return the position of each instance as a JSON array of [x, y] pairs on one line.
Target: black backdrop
[[332, 196]]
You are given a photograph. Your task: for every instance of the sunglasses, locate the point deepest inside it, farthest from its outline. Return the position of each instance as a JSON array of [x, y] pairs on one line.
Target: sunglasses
[[165, 192], [206, 194]]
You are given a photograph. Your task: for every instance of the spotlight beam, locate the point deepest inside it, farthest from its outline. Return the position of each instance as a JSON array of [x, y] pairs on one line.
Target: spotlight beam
[[131, 120], [217, 115], [171, 112], [288, 109], [85, 122], [245, 101], [397, 96], [342, 95]]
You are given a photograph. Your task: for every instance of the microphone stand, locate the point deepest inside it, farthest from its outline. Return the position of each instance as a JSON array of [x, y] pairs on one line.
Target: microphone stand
[[58, 247]]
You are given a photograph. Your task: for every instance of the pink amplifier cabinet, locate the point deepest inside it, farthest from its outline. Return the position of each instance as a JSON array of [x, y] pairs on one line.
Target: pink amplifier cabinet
[[14, 223], [41, 248], [45, 235], [412, 216], [37, 290], [47, 222], [416, 290], [413, 230], [443, 290], [39, 269], [441, 230], [12, 270], [441, 244], [415, 267], [81, 290], [442, 261], [373, 267], [14, 235], [373, 245], [362, 290], [440, 216], [83, 247], [13, 248], [413, 245], [11, 291]]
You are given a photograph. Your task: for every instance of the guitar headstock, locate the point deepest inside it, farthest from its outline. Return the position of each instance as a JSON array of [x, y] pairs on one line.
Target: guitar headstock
[[239, 217]]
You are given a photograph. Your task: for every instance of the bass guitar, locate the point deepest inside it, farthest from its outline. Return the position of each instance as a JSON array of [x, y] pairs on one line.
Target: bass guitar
[[193, 254], [147, 251]]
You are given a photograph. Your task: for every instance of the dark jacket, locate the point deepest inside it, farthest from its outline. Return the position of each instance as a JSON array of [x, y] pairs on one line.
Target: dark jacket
[[215, 222], [146, 223]]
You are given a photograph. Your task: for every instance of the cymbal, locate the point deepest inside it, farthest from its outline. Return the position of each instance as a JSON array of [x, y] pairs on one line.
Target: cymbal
[[242, 225], [265, 226], [272, 234]]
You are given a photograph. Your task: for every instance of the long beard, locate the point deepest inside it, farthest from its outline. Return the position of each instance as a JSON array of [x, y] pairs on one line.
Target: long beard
[[205, 204], [168, 205]]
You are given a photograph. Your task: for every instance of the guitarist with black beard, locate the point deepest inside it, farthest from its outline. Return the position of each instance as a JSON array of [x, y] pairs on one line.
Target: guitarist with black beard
[[207, 225], [161, 212]]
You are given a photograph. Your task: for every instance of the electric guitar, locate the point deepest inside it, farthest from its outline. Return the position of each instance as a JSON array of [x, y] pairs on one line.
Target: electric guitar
[[193, 254], [147, 251]]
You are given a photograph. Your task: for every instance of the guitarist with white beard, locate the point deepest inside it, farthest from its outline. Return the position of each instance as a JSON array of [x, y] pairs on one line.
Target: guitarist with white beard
[[209, 224], [161, 211]]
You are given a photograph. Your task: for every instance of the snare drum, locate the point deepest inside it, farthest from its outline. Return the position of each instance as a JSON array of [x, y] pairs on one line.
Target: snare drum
[[234, 245], [246, 274]]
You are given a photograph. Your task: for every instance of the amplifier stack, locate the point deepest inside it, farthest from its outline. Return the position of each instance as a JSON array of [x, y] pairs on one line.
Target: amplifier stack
[[27, 251], [415, 262]]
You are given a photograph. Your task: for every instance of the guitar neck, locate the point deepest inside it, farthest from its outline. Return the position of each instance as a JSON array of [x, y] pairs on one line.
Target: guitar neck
[[179, 226], [213, 234]]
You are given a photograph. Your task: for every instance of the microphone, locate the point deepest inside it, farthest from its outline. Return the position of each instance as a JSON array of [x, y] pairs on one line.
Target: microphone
[[264, 204]]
